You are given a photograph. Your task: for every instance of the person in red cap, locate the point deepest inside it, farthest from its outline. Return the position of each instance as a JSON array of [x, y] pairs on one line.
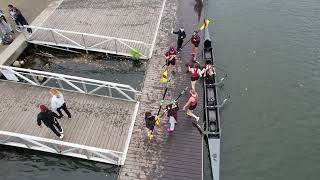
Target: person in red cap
[[49, 119]]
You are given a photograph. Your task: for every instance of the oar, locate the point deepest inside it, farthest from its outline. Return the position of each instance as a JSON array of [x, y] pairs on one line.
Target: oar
[[174, 101]]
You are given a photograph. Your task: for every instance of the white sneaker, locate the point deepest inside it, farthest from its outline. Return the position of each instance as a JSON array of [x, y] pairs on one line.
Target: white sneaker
[[61, 132], [61, 136], [197, 119]]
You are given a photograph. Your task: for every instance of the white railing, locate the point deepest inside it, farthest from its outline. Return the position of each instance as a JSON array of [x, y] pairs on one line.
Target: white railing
[[86, 41], [61, 147], [71, 83]]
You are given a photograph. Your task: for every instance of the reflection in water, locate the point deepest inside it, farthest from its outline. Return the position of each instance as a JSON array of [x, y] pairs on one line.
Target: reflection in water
[[198, 8]]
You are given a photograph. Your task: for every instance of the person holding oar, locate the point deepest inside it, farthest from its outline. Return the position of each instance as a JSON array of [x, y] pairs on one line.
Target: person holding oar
[[150, 123], [170, 57], [181, 35]]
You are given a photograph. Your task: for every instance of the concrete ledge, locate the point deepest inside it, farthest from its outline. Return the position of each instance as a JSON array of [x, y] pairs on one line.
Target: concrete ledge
[[14, 50]]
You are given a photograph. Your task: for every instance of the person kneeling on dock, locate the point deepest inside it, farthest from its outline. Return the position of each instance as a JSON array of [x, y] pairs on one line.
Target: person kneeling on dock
[[150, 123], [171, 58], [49, 119]]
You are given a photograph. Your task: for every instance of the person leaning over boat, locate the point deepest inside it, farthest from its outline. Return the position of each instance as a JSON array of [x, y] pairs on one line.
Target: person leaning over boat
[[192, 103], [195, 75], [49, 119], [58, 103]]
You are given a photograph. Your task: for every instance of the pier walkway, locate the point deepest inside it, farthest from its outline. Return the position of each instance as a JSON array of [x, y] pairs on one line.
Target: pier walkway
[[100, 128], [179, 155], [115, 27]]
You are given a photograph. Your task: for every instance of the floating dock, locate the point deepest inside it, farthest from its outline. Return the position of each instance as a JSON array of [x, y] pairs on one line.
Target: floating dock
[[101, 125], [116, 27]]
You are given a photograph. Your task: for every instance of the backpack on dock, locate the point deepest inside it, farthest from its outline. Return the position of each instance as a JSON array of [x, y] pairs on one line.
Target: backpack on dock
[[6, 39]]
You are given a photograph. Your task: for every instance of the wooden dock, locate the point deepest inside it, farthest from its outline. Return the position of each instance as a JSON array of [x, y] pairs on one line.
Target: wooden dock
[[179, 155], [98, 124], [106, 26]]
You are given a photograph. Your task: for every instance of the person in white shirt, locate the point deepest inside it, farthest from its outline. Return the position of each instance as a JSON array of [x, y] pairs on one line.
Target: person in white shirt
[[58, 103]]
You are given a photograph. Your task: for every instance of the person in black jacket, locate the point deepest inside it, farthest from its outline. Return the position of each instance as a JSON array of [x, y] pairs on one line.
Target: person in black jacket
[[181, 35], [49, 119], [150, 123]]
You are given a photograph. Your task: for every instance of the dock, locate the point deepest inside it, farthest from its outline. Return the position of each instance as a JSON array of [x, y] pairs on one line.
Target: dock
[[115, 27], [100, 128], [179, 155]]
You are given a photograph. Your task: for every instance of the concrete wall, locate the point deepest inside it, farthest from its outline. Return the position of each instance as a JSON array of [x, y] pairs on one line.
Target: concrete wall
[[14, 50]]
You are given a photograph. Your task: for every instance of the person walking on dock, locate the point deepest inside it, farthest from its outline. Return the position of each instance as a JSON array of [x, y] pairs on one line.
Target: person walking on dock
[[195, 41], [181, 35], [192, 103], [49, 119], [17, 16], [150, 123], [58, 103], [172, 113], [195, 75]]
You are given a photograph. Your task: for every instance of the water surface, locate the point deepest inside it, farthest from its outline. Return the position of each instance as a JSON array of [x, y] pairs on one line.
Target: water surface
[[270, 130]]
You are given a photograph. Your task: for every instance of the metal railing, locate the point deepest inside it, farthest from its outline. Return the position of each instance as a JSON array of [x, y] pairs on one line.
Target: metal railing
[[86, 41], [61, 147], [71, 83]]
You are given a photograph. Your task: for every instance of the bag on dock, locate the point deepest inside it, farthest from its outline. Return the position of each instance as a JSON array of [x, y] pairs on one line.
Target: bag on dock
[[6, 39]]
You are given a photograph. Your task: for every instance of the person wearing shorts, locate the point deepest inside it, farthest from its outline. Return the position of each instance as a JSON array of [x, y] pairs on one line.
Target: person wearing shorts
[[195, 75], [192, 104], [195, 41]]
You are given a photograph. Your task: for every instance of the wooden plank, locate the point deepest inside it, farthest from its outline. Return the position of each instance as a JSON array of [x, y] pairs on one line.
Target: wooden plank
[[79, 105], [127, 22]]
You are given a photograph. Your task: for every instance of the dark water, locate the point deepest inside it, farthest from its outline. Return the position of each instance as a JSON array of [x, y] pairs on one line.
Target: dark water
[[23, 164], [271, 51], [93, 65]]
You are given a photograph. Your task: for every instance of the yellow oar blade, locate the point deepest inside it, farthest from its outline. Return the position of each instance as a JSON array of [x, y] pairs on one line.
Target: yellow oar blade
[[204, 25], [165, 76], [158, 121]]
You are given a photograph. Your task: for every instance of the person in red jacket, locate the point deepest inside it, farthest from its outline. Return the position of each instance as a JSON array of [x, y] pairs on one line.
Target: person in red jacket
[[195, 41]]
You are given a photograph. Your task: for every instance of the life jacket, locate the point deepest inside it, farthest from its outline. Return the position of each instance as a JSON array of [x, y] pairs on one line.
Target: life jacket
[[195, 39], [194, 100], [195, 73]]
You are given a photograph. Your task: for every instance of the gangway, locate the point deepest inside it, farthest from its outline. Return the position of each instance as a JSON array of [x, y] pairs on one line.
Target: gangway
[[103, 114]]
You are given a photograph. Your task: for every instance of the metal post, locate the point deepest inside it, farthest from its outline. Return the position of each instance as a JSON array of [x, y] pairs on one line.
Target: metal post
[[25, 36], [53, 37], [84, 43], [115, 44], [110, 91]]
